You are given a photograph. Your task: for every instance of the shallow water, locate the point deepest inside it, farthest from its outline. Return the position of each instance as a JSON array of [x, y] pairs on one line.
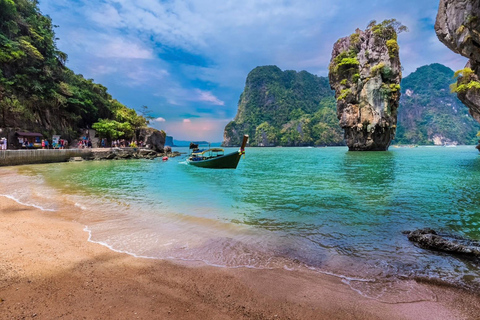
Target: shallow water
[[324, 209]]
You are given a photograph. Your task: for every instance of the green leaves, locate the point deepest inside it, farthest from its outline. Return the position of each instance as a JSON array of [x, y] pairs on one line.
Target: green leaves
[[285, 108], [109, 129], [39, 92]]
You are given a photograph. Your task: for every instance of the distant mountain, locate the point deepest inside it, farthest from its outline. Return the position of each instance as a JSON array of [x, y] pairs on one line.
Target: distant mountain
[[429, 113], [286, 108], [184, 143], [292, 108]]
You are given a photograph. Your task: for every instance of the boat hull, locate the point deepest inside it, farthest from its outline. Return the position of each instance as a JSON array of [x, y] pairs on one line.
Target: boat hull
[[228, 161]]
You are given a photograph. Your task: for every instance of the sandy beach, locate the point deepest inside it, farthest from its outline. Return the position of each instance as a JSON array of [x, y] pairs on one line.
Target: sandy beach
[[49, 270]]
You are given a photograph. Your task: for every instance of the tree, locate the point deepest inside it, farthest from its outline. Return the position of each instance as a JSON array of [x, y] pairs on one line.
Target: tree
[[146, 113], [109, 129]]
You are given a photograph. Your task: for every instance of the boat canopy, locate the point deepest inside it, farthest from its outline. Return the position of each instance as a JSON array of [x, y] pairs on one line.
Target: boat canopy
[[208, 150]]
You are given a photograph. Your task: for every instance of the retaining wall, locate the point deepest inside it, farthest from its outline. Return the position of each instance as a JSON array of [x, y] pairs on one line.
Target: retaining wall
[[17, 157]]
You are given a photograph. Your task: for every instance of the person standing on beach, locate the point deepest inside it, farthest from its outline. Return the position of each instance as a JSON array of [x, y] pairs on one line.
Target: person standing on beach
[[43, 144]]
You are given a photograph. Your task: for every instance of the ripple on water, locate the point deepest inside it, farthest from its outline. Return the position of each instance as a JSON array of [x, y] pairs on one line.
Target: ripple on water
[[324, 209]]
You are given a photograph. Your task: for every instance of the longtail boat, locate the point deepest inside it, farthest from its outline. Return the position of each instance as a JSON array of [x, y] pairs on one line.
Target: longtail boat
[[216, 158]]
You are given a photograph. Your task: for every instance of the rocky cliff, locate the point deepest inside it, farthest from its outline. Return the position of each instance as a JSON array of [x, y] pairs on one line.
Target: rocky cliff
[[285, 108], [429, 113], [365, 73], [458, 27]]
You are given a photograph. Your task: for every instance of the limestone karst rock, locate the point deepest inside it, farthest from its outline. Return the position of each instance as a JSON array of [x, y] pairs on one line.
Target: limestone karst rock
[[153, 138], [458, 27], [365, 73], [286, 108]]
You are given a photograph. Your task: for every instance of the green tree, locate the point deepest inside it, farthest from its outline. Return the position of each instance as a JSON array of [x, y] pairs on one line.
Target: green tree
[[111, 129]]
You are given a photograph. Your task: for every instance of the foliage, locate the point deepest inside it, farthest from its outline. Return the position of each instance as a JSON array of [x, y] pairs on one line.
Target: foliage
[[393, 48], [289, 108], [283, 108], [430, 109], [355, 38], [266, 135], [466, 81], [387, 29], [344, 94], [376, 69], [345, 63], [110, 129], [37, 91], [472, 85]]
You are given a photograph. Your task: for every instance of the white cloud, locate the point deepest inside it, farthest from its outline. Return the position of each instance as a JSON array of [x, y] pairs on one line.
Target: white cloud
[[118, 47], [207, 96], [204, 129], [121, 42], [186, 121], [160, 119], [107, 16]]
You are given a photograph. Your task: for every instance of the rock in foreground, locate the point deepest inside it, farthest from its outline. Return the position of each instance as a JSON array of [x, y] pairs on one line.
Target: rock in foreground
[[365, 73], [429, 239]]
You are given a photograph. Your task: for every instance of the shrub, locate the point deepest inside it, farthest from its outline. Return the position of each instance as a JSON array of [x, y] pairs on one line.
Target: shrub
[[343, 94], [393, 48], [376, 69]]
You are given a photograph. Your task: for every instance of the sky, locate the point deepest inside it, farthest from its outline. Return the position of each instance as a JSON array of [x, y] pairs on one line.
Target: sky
[[188, 60]]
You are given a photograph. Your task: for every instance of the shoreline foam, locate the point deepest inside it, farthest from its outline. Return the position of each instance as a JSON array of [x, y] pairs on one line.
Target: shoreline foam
[[73, 276], [356, 281]]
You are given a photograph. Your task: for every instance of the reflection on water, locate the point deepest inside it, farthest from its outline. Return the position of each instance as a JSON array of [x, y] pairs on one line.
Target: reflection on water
[[322, 208]]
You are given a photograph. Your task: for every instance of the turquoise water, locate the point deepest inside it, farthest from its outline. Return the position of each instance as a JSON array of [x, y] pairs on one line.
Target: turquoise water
[[324, 209]]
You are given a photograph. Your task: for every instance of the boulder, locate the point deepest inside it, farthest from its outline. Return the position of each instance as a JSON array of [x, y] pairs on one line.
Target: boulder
[[154, 139], [429, 239]]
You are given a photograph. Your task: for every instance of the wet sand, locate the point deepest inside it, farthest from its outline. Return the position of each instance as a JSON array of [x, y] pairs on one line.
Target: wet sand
[[49, 270]]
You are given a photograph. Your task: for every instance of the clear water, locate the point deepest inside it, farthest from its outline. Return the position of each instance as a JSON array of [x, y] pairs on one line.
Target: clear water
[[324, 209]]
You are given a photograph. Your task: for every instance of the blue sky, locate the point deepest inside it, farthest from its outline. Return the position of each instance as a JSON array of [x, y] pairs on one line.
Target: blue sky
[[188, 60]]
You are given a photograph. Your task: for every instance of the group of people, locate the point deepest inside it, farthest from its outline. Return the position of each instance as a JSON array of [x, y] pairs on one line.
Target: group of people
[[122, 143], [84, 143], [60, 144]]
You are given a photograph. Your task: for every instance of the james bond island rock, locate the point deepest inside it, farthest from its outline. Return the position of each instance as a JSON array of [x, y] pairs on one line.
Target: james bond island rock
[[365, 73], [286, 108], [458, 27]]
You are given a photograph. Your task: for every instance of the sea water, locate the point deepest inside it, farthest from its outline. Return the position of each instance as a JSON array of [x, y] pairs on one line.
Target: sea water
[[321, 209]]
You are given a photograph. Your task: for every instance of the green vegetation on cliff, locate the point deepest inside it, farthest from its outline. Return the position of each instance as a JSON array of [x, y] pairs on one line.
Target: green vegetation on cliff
[[285, 108], [37, 91], [296, 109], [430, 112]]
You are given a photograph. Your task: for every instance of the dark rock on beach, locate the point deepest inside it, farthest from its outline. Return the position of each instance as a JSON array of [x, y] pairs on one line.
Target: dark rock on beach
[[429, 239], [123, 153]]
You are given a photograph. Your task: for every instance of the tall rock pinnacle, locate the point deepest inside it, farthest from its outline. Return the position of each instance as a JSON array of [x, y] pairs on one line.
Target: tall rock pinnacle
[[458, 27], [365, 73]]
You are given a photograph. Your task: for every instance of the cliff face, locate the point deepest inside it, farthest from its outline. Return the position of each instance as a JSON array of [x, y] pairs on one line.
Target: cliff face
[[285, 108], [365, 73], [429, 113], [458, 27]]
